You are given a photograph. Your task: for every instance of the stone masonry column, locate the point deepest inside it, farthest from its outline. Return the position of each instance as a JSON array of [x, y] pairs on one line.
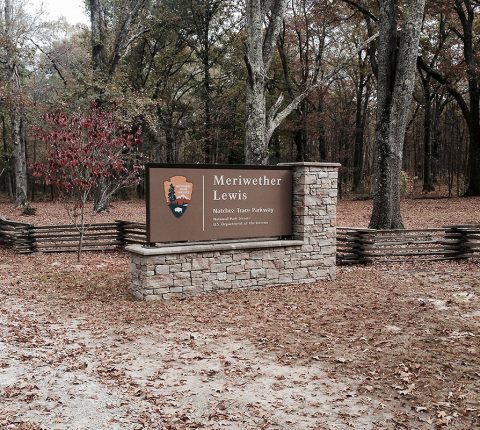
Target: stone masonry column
[[315, 191]]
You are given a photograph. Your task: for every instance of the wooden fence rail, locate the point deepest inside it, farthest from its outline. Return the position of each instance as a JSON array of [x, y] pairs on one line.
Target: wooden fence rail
[[16, 235], [362, 246], [65, 238], [27, 238], [354, 245], [131, 232]]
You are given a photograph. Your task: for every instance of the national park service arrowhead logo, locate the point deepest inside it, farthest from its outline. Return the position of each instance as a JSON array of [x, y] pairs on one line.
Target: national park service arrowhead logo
[[178, 192]]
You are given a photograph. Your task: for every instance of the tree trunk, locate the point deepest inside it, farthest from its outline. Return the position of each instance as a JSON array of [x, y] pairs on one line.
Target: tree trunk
[[258, 56], [18, 143], [256, 148], [19, 161], [474, 131], [322, 139], [299, 140], [256, 151], [437, 134], [97, 36], [360, 121], [396, 79], [102, 197], [207, 106], [467, 18], [33, 183], [81, 229], [474, 162], [301, 134], [358, 149], [8, 161], [427, 140], [170, 139]]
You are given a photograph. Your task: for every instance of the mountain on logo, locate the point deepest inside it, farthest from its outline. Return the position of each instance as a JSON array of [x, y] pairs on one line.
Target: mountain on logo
[[182, 201]]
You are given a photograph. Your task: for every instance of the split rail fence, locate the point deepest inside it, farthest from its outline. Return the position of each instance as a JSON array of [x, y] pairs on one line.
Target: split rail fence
[[354, 245], [28, 238], [364, 246]]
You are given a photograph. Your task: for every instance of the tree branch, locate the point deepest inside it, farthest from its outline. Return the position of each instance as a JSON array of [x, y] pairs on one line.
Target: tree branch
[[448, 85], [54, 64], [275, 22], [121, 42], [274, 119], [361, 9]]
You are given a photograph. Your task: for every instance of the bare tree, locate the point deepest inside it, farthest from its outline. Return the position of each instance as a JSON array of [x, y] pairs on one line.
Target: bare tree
[[301, 46], [15, 27], [467, 33], [258, 57], [114, 27], [261, 40], [397, 57], [362, 99]]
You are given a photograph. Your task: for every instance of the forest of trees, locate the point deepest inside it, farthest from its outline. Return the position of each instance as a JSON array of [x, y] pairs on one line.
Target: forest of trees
[[225, 81]]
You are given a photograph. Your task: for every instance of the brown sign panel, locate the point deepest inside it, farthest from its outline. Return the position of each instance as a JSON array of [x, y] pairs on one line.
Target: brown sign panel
[[192, 203]]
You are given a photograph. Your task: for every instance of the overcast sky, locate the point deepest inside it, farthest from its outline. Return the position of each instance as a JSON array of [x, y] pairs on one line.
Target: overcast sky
[[72, 10]]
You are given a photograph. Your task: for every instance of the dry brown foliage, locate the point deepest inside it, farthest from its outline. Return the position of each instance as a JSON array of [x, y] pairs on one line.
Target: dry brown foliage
[[383, 347]]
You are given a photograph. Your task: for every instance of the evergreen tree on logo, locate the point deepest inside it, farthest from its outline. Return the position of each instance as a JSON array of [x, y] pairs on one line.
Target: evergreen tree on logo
[[171, 194]]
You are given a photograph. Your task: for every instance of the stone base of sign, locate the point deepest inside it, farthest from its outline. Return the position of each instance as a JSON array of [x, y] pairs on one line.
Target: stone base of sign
[[184, 270]]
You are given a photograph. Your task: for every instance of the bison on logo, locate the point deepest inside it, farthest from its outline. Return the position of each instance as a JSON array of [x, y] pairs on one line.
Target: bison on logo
[[178, 192]]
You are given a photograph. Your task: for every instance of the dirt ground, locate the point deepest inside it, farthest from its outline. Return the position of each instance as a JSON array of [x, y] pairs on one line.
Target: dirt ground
[[383, 347], [416, 212]]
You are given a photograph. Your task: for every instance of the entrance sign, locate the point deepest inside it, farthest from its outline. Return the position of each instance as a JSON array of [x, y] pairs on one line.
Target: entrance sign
[[210, 202]]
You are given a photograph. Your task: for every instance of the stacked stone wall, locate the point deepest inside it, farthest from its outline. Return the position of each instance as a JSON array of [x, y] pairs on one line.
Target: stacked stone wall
[[167, 272]]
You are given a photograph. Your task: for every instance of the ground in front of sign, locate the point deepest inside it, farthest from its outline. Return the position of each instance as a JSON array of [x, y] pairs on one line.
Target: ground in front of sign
[[380, 348]]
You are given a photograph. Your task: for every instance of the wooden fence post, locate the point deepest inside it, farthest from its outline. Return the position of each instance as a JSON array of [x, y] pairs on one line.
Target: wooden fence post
[[121, 233], [31, 238], [367, 244], [22, 238], [355, 245], [457, 240]]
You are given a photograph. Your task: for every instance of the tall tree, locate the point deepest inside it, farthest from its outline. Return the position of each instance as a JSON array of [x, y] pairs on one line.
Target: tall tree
[[258, 57], [301, 46], [260, 43], [397, 57], [115, 26], [465, 28], [362, 99], [14, 32], [433, 41], [162, 70], [204, 25]]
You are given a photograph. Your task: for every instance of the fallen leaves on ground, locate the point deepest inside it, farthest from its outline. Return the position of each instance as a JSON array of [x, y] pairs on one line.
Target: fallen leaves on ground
[[416, 212], [382, 347]]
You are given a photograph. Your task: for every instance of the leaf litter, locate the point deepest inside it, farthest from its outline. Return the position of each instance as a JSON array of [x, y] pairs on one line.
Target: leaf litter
[[383, 347]]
